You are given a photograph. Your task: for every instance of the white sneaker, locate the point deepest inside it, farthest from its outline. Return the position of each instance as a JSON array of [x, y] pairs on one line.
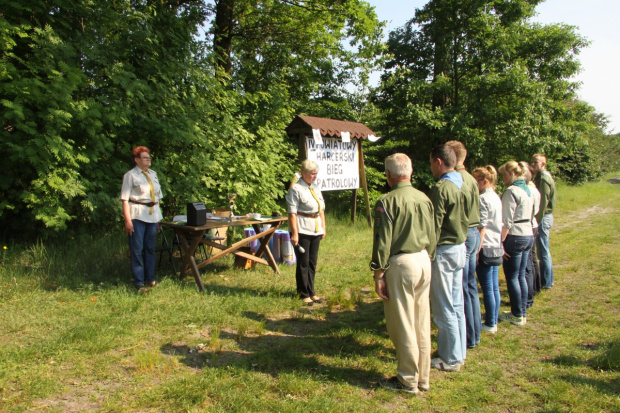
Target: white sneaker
[[488, 329], [439, 364]]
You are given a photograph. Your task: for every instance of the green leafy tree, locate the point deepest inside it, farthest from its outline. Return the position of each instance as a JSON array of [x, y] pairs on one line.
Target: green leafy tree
[[83, 82], [480, 72], [311, 49]]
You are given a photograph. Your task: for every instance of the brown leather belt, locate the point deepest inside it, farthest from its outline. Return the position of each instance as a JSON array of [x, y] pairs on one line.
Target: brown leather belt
[[148, 204], [308, 215]]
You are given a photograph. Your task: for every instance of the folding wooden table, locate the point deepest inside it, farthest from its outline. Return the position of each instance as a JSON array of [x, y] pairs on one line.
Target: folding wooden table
[[190, 237]]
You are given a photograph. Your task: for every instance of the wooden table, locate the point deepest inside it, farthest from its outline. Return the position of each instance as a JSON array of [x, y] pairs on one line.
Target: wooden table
[[191, 237]]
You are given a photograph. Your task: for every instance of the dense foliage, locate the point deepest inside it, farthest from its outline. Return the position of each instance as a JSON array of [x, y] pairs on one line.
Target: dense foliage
[[83, 82], [480, 72], [210, 85]]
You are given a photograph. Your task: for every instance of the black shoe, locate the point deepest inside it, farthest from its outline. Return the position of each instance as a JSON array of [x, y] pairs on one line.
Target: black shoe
[[318, 300], [394, 384]]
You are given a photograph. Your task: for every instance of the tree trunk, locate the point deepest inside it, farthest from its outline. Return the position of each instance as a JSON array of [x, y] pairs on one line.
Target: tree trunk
[[222, 38]]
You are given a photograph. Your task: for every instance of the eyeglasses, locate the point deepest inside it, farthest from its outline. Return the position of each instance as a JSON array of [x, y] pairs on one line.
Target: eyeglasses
[[146, 158]]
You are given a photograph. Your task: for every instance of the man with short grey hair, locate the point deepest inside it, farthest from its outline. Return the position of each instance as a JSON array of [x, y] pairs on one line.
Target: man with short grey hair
[[403, 242]]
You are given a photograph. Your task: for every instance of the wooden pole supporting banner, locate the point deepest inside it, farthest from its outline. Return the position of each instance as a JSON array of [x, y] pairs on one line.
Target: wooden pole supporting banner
[[364, 182], [354, 206]]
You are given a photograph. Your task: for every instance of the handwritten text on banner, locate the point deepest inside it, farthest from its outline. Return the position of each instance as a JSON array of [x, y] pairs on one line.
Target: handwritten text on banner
[[338, 163]]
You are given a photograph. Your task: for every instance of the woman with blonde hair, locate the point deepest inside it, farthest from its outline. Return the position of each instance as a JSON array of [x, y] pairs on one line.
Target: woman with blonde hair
[[532, 272], [306, 212], [517, 238], [491, 251]]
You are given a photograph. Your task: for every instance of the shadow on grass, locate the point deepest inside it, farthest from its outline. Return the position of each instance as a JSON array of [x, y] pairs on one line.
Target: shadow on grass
[[337, 347], [607, 360]]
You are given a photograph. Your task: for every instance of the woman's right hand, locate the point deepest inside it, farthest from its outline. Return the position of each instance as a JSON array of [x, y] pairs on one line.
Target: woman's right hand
[[294, 239], [129, 227]]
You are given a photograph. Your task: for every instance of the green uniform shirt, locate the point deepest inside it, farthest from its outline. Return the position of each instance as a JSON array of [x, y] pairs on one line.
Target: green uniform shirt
[[548, 198], [451, 223], [403, 224], [472, 197]]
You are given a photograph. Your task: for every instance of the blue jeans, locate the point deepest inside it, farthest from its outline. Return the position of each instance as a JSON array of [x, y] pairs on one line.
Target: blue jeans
[[518, 247], [489, 284], [447, 302], [544, 253], [470, 289], [142, 247]]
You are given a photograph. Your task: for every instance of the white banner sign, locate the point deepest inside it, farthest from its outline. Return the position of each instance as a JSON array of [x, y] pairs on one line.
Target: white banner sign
[[338, 163]]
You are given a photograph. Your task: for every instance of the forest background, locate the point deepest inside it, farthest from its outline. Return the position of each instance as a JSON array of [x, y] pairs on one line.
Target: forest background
[[82, 82]]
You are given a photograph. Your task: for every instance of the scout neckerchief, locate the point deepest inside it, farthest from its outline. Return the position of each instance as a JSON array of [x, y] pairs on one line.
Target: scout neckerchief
[[521, 184], [316, 220], [454, 177], [148, 178]]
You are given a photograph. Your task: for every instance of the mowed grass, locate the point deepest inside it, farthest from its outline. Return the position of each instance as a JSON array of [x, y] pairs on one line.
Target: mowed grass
[[74, 336]]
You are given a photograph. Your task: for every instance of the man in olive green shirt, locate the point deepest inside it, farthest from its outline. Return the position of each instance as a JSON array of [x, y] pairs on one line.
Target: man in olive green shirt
[[404, 237], [446, 295], [546, 186], [471, 299]]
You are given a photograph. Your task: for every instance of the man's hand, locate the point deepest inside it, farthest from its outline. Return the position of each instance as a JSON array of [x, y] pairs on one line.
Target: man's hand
[[381, 289]]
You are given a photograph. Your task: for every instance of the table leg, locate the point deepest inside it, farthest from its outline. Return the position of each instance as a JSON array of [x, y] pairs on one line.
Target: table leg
[[188, 260], [264, 246]]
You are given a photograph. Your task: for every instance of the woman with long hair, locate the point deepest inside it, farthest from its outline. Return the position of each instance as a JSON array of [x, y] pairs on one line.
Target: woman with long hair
[[491, 252], [517, 238]]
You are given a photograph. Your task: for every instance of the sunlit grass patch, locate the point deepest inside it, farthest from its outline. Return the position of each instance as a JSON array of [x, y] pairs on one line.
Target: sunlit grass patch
[[73, 332]]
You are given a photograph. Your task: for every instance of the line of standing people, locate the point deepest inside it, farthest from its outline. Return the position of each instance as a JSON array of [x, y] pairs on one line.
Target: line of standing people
[[430, 249]]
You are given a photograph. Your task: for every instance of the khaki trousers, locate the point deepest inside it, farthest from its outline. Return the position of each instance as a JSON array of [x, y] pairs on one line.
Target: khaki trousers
[[408, 315]]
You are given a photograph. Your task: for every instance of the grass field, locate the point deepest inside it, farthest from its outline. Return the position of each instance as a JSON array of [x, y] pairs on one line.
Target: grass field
[[74, 336]]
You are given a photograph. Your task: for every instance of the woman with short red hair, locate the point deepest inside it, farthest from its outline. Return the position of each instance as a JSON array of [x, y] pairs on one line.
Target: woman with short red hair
[[140, 195]]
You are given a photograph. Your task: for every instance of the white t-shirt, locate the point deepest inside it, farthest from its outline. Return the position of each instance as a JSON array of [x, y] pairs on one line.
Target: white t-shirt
[[136, 188], [300, 199], [491, 218], [536, 199], [517, 208]]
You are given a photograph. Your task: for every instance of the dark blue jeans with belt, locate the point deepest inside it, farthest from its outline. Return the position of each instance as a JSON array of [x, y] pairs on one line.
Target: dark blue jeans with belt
[[142, 247], [518, 248]]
